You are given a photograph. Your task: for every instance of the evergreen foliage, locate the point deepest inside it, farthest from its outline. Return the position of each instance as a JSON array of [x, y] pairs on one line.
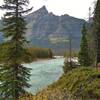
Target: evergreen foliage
[[96, 30], [84, 57], [13, 76], [91, 46]]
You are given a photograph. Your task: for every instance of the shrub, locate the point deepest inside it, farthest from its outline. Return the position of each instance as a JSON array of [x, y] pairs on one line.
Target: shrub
[[83, 83]]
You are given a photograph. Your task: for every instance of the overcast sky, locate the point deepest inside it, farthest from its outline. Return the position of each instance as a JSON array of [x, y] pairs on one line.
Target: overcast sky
[[76, 8]]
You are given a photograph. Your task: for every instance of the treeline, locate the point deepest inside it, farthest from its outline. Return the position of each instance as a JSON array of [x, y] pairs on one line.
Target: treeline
[[89, 54], [36, 52], [32, 53]]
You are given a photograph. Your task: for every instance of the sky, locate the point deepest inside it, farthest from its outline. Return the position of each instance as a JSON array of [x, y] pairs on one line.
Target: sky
[[76, 8]]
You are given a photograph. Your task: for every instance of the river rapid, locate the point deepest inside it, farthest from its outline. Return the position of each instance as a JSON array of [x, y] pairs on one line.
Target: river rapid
[[44, 73]]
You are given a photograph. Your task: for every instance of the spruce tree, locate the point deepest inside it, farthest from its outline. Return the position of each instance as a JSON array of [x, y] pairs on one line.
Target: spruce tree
[[14, 76], [96, 30], [84, 58]]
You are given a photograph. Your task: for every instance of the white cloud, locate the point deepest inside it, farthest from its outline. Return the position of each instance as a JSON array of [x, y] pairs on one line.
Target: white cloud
[[77, 8]]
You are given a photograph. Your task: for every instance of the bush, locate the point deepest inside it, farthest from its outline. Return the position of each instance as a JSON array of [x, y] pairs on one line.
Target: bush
[[82, 83], [67, 66]]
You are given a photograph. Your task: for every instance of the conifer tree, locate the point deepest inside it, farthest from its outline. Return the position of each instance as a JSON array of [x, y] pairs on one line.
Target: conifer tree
[[14, 76], [96, 30], [84, 58]]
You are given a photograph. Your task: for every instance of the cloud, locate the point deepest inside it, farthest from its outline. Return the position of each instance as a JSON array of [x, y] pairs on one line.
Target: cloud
[[77, 8]]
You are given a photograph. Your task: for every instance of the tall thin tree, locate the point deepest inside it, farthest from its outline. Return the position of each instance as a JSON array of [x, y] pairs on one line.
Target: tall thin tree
[[84, 57], [96, 30], [14, 76]]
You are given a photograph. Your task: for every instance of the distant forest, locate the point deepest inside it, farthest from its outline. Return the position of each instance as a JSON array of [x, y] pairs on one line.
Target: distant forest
[[33, 53]]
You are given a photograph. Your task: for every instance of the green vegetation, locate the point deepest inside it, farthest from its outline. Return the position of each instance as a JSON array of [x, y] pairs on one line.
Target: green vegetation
[[40, 53], [96, 30], [82, 83], [32, 53], [14, 76], [67, 67], [84, 57], [4, 51], [70, 65]]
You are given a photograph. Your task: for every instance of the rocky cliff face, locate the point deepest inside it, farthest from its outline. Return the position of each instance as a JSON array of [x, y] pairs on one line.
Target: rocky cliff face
[[48, 30], [42, 22]]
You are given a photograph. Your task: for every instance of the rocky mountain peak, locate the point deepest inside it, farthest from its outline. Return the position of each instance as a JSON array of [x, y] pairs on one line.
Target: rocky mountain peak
[[43, 27], [42, 10]]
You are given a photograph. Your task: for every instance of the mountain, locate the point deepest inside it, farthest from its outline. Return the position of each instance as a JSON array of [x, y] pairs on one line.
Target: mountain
[[44, 29], [48, 30]]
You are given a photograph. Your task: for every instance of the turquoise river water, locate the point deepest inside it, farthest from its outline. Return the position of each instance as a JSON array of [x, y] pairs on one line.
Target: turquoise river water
[[44, 73]]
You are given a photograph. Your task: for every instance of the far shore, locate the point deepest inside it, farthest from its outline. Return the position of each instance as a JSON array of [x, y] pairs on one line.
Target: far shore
[[42, 59]]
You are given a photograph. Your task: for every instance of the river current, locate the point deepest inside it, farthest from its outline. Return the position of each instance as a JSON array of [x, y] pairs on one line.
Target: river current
[[44, 73]]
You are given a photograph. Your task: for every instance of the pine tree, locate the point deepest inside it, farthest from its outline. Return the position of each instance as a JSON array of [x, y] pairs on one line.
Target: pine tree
[[14, 76], [96, 30], [84, 58]]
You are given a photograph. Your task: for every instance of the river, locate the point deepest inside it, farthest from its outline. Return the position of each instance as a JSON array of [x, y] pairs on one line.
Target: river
[[44, 73]]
